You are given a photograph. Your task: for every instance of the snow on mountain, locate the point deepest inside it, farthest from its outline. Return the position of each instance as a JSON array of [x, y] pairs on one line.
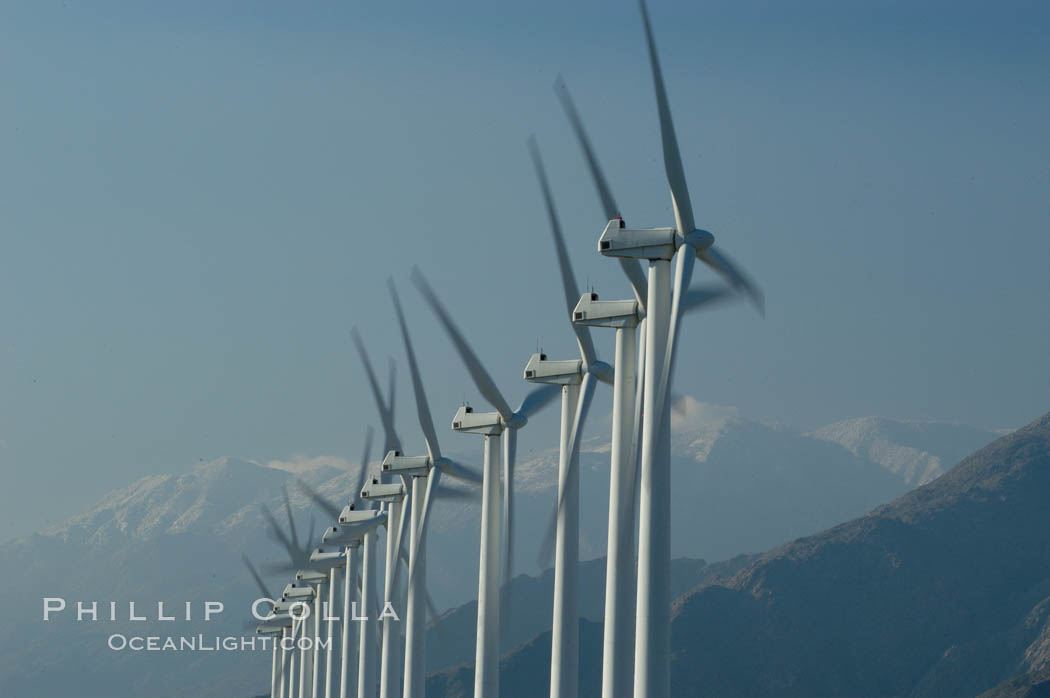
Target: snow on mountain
[[918, 452]]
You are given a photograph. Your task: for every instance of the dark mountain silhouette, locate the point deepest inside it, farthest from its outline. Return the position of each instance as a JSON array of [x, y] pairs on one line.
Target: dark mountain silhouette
[[943, 592], [1034, 684]]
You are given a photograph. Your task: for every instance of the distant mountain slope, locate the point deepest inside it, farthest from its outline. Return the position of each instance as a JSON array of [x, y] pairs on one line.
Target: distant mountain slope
[[945, 592], [451, 640], [740, 486], [918, 452]]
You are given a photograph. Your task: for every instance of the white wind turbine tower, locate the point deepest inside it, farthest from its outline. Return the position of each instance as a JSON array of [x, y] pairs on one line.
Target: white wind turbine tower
[[298, 593], [425, 472], [278, 622], [278, 626], [350, 533], [389, 674], [392, 495], [356, 530], [625, 316], [577, 378], [325, 563], [299, 558], [492, 425], [653, 613], [317, 581]]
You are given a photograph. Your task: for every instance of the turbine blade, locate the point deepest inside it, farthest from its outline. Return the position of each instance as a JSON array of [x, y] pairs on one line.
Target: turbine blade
[[276, 532], [568, 279], [332, 510], [255, 575], [459, 471], [280, 567], [449, 493], [392, 385], [485, 385], [291, 519], [737, 278], [703, 296], [431, 608], [683, 209], [402, 520], [609, 208], [426, 422], [392, 442], [685, 261], [537, 399], [307, 544], [424, 517], [583, 406], [355, 496], [632, 268]]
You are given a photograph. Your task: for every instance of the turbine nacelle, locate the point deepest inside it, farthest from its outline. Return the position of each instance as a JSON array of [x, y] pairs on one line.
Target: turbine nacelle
[[355, 520], [384, 492], [274, 625], [541, 370], [646, 243], [592, 312], [280, 607], [350, 536], [649, 243], [325, 558], [467, 421], [311, 576], [297, 591], [394, 462]]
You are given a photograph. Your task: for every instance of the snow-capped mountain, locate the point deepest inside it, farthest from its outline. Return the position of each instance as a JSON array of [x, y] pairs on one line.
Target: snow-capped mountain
[[916, 451], [740, 487]]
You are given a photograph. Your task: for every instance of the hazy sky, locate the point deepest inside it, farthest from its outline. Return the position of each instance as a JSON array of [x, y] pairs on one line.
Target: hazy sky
[[199, 199]]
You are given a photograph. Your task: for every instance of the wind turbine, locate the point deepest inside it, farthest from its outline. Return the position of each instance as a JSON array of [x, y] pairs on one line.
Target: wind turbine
[[492, 426], [355, 531], [577, 378], [393, 496], [425, 472], [659, 246], [389, 674], [277, 622], [304, 563], [276, 625], [624, 316], [299, 594], [317, 580]]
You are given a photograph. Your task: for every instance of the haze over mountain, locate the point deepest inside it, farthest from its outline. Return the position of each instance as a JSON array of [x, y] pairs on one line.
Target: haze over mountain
[[741, 487], [944, 592]]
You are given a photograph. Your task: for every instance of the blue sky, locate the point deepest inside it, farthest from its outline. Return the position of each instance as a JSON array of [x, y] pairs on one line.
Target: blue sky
[[200, 199]]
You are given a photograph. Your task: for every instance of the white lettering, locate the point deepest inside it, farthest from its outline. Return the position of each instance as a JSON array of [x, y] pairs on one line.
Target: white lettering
[[212, 607], [81, 612], [255, 609], [388, 612], [49, 606]]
